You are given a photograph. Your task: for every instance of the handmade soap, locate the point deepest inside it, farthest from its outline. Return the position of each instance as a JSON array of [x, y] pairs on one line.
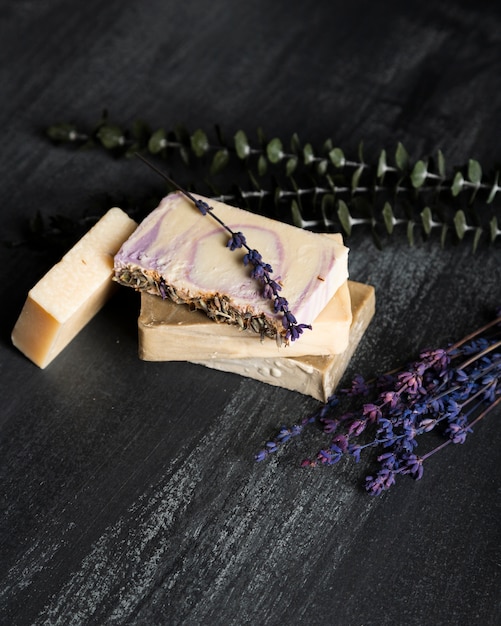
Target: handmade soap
[[179, 253], [317, 376], [172, 332], [72, 292]]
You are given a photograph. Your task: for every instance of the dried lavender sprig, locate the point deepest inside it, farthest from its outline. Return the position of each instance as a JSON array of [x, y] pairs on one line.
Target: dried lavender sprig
[[412, 401], [261, 271]]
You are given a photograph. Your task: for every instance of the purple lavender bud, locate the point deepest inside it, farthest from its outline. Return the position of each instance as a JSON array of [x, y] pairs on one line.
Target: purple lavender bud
[[202, 206], [280, 304], [372, 412], [237, 240], [341, 441], [253, 257]]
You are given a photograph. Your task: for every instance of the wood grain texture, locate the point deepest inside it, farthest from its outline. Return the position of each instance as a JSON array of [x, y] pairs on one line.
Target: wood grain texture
[[129, 494]]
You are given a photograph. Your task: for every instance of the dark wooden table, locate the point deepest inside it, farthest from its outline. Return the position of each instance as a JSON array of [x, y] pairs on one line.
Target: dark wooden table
[[129, 493]]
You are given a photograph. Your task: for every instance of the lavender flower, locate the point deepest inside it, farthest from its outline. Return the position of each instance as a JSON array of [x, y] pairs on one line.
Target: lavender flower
[[445, 390]]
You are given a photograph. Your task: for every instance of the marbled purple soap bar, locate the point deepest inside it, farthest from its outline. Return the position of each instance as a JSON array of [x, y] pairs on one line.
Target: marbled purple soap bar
[[179, 253]]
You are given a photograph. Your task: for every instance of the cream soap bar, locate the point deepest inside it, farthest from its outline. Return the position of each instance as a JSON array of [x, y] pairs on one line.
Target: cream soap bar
[[316, 376], [171, 332], [179, 253], [72, 292]]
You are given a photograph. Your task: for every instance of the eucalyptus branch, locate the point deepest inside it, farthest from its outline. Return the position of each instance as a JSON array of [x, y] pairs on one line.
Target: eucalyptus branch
[[316, 187]]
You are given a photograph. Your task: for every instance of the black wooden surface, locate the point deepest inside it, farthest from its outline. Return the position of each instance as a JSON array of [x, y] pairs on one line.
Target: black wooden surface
[[129, 493]]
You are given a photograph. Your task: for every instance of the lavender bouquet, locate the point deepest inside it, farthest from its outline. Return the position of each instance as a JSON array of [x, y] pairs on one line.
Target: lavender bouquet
[[446, 390]]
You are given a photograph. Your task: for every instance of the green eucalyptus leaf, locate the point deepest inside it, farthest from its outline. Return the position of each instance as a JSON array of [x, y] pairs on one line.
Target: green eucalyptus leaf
[[327, 147], [183, 138], [382, 165], [441, 164], [388, 217], [297, 218], [262, 165], [355, 179], [111, 136], [291, 165], [308, 154], [476, 238], [219, 161], [460, 225], [242, 146], [493, 227], [131, 150], [157, 141], [474, 172], [199, 143], [61, 132], [322, 166], [295, 144], [494, 189], [401, 157], [337, 157], [327, 206], [343, 213], [274, 150], [427, 219], [254, 181], [277, 195], [443, 234], [457, 184], [410, 232], [418, 174], [185, 154], [361, 152]]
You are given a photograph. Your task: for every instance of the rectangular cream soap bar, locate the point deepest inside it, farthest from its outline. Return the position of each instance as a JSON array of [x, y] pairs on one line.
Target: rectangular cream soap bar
[[72, 292], [171, 332], [179, 253], [316, 376]]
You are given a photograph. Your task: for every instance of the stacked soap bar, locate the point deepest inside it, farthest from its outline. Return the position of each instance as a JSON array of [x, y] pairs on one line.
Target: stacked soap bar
[[169, 332], [72, 292], [180, 253]]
